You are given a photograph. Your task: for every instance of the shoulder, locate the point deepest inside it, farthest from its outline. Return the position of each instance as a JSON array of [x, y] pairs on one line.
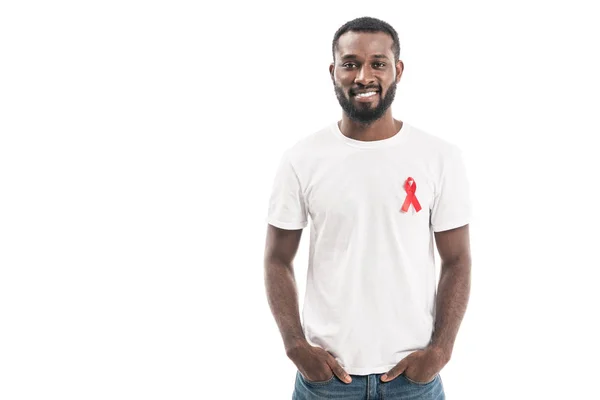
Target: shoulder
[[310, 145], [439, 156], [433, 144]]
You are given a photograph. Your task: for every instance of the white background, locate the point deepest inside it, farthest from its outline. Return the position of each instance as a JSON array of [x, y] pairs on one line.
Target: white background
[[138, 145]]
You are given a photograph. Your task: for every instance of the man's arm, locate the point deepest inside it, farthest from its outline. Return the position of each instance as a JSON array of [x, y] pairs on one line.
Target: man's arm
[[280, 249], [454, 287], [313, 362]]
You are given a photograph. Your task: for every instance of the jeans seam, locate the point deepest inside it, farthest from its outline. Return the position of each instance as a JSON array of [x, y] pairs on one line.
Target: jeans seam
[[420, 383], [316, 383]]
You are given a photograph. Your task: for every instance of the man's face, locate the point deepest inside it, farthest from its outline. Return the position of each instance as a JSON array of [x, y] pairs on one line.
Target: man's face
[[364, 75]]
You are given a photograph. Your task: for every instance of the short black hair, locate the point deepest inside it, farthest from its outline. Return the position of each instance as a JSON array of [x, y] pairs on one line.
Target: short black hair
[[368, 24]]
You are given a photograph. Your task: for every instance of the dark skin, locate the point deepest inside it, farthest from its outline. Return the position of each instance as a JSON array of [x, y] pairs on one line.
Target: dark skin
[[365, 60], [452, 298], [316, 364]]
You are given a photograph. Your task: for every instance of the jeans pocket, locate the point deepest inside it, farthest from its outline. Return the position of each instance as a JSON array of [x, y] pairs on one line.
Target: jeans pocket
[[320, 383], [420, 383]]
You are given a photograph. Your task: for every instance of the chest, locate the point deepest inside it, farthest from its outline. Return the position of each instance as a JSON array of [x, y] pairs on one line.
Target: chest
[[368, 185]]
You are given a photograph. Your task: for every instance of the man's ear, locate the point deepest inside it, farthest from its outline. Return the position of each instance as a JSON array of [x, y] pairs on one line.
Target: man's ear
[[331, 69], [399, 70]]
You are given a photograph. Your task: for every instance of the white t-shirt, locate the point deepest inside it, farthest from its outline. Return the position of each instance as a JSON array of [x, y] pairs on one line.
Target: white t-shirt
[[371, 284]]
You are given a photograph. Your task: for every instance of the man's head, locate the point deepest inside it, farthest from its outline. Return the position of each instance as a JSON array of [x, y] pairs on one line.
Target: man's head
[[366, 59]]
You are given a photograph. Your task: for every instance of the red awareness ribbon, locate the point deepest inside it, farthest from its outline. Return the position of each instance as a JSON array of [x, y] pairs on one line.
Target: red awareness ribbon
[[411, 187]]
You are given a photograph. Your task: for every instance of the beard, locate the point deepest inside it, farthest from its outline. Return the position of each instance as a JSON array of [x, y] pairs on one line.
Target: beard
[[364, 113]]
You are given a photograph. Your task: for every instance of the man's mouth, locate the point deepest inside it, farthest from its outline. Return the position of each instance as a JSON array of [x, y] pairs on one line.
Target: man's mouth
[[365, 94]]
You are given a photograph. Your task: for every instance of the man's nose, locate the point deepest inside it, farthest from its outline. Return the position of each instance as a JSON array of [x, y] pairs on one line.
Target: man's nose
[[365, 76]]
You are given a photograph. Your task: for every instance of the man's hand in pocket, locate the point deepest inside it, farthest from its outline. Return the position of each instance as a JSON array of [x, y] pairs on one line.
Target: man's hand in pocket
[[316, 364]]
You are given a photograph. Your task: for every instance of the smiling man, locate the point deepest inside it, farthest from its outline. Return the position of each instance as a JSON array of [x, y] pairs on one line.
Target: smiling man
[[379, 193], [358, 92]]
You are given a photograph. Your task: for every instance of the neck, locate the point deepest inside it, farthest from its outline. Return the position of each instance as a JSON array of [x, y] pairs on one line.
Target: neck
[[383, 128]]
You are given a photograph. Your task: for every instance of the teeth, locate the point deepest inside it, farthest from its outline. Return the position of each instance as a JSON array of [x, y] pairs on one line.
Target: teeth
[[367, 94]]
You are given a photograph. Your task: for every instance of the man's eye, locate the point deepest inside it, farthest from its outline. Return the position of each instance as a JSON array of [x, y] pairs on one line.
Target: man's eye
[[380, 64], [349, 65]]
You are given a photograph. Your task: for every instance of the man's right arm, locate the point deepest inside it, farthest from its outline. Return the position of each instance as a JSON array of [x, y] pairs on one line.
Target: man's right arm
[[280, 249], [313, 362]]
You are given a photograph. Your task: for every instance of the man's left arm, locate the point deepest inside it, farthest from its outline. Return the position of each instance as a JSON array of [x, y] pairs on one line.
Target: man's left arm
[[453, 288], [452, 297]]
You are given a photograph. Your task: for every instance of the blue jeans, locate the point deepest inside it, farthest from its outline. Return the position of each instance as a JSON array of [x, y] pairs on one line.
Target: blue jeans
[[368, 387]]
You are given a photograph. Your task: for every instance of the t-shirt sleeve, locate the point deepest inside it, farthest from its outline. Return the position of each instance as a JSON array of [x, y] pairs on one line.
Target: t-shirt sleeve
[[452, 202], [287, 208]]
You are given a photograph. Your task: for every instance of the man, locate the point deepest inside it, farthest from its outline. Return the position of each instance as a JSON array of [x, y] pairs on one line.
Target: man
[[378, 191]]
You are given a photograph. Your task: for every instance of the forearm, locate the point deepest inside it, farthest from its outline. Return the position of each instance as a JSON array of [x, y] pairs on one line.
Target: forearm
[[282, 295], [452, 298]]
